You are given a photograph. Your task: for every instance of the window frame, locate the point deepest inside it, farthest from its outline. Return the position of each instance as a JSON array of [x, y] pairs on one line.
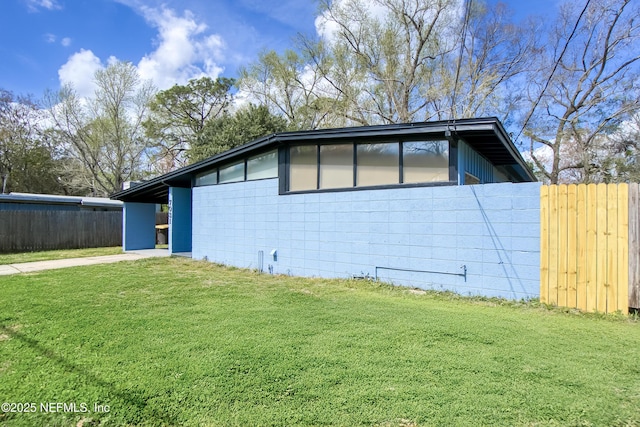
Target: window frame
[[285, 175]]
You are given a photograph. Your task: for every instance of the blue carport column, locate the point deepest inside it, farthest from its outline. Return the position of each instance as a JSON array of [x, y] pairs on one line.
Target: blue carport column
[[179, 220], [138, 226]]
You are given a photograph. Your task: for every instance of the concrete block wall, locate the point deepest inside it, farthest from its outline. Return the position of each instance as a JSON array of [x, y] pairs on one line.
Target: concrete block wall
[[422, 237]]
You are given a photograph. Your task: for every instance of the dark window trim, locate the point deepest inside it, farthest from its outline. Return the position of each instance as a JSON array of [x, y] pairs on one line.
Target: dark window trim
[[318, 166], [246, 161], [355, 163], [283, 169], [373, 187], [401, 162], [453, 161]]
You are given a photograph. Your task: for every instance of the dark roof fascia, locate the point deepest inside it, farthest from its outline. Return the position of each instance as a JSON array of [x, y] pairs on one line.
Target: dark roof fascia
[[183, 175], [515, 153]]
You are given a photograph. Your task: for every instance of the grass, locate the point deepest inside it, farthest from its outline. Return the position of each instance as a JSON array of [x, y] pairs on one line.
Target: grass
[[178, 342], [58, 254]]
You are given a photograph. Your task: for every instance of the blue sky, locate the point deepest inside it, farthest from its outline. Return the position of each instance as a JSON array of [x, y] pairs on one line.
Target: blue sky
[[44, 43]]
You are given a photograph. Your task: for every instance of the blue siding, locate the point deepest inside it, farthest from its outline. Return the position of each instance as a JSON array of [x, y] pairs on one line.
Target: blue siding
[[473, 163], [138, 226], [493, 230], [179, 220]]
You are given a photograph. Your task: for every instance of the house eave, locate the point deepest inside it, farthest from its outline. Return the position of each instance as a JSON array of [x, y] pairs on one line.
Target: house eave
[[473, 131]]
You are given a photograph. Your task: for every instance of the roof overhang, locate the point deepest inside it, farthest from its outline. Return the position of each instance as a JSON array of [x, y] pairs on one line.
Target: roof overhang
[[485, 135]]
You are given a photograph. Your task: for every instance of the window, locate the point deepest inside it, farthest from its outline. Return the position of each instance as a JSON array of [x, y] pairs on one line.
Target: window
[[263, 166], [207, 178], [336, 166], [425, 161], [348, 165], [232, 173], [303, 168], [377, 164]]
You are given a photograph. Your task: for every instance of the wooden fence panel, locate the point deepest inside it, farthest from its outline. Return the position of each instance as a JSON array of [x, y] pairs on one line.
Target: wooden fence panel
[[25, 231], [585, 247]]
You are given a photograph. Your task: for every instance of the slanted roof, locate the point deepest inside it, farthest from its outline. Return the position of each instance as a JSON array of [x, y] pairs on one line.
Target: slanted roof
[[53, 199], [487, 136]]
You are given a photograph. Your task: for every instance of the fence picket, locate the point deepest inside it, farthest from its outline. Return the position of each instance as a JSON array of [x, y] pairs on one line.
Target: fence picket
[[634, 246], [622, 249], [563, 253], [611, 285], [544, 244], [601, 254], [581, 247], [572, 252], [592, 247]]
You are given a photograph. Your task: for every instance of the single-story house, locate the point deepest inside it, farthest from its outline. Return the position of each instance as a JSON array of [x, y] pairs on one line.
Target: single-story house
[[390, 202]]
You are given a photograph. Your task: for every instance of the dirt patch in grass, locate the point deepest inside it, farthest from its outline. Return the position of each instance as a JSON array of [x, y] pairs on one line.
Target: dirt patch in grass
[[7, 331]]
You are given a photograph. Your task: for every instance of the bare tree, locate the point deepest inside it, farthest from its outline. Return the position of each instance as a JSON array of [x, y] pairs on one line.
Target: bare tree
[[103, 137], [289, 86], [585, 86], [494, 54], [389, 61]]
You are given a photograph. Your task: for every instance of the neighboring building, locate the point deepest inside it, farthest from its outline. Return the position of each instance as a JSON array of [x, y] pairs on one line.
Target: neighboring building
[[36, 222], [387, 202]]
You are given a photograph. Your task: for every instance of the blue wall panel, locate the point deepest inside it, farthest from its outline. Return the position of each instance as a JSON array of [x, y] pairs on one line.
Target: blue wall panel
[[139, 222], [492, 229], [180, 220], [471, 162]]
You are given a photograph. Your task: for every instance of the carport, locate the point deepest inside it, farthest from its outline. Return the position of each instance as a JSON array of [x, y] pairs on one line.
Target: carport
[[140, 200]]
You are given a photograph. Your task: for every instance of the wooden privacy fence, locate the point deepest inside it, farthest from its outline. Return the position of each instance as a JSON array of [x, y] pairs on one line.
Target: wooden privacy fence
[[589, 246], [22, 231]]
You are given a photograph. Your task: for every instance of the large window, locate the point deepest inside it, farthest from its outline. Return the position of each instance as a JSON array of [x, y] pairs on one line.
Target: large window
[[263, 166], [377, 164], [330, 166], [303, 168], [336, 166], [425, 161]]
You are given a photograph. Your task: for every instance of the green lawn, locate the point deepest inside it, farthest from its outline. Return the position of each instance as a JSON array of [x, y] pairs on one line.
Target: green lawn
[[60, 254], [178, 342]]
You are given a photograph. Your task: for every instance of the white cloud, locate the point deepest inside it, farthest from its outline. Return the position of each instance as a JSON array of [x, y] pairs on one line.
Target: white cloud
[[36, 5], [79, 71], [185, 49], [50, 38]]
